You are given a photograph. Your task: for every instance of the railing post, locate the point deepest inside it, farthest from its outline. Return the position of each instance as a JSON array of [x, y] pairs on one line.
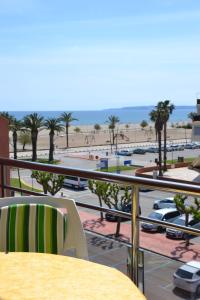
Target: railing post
[[2, 182], [135, 234]]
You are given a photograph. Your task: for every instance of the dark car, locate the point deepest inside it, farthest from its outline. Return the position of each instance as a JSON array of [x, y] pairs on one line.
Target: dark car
[[189, 146], [139, 151], [152, 150], [127, 208]]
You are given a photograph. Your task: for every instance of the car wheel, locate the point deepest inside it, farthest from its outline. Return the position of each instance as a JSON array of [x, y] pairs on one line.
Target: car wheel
[[155, 206], [198, 290]]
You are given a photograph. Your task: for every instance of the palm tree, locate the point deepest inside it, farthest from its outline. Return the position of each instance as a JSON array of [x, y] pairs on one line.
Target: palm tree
[[157, 118], [194, 116], [15, 126], [112, 122], [33, 122], [167, 109], [52, 125], [67, 119]]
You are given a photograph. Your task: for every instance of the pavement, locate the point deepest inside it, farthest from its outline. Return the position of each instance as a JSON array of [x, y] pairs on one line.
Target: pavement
[[155, 242]]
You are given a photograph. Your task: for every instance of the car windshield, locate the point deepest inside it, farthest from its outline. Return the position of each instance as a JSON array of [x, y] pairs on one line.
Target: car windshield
[[184, 274], [180, 222], [83, 179], [155, 215]]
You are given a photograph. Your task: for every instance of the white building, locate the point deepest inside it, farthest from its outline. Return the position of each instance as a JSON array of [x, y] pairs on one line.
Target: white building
[[196, 124]]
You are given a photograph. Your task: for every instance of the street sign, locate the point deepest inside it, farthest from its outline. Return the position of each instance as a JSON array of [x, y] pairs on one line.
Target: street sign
[[127, 162], [104, 163]]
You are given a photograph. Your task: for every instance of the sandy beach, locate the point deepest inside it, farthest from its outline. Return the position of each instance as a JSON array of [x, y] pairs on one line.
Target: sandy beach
[[89, 137]]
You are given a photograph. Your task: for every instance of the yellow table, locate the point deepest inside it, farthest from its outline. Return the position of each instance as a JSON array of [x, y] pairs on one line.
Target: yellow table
[[46, 276]]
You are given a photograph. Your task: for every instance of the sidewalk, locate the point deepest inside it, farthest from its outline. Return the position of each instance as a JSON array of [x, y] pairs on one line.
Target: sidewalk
[[151, 241]]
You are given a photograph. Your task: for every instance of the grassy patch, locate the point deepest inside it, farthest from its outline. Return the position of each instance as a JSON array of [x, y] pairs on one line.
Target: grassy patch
[[15, 183], [44, 161], [186, 159], [113, 169]]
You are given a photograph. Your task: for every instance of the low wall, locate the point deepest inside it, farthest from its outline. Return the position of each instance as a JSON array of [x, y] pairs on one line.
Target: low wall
[[142, 173]]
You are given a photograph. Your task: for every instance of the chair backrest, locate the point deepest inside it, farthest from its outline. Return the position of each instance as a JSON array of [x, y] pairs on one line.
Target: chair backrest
[[36, 224], [32, 228]]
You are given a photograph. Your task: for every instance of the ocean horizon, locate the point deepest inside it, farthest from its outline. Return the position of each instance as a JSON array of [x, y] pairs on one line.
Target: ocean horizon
[[126, 114]]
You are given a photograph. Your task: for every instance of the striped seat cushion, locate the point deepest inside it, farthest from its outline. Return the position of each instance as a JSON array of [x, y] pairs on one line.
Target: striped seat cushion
[[32, 228]]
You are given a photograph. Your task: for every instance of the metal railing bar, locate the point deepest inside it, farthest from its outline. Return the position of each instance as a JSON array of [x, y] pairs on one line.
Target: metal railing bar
[[12, 188], [118, 178], [104, 209]]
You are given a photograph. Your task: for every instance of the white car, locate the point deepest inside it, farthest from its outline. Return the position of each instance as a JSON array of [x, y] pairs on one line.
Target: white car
[[165, 214], [165, 203], [178, 234], [187, 277]]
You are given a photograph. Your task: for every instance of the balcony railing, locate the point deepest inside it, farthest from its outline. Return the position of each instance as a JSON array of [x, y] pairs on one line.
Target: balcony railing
[[135, 182]]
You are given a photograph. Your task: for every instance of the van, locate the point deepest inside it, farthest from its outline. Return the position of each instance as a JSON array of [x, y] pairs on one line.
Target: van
[[75, 182]]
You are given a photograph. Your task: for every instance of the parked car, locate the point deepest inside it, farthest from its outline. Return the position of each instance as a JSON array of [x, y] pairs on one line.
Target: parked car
[[178, 234], [127, 208], [178, 147], [112, 218], [197, 144], [189, 146], [187, 277], [170, 148], [124, 152], [165, 203], [75, 182], [139, 151], [152, 150], [165, 214]]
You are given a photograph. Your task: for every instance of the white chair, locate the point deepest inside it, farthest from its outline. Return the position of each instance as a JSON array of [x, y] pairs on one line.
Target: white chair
[[75, 237]]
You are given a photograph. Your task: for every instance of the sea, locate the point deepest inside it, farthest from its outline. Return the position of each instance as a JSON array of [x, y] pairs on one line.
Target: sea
[[126, 114]]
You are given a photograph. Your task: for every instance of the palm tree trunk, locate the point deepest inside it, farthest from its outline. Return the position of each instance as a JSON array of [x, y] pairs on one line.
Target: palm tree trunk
[[34, 135], [113, 136], [159, 153], [15, 144], [51, 146], [67, 136], [165, 147]]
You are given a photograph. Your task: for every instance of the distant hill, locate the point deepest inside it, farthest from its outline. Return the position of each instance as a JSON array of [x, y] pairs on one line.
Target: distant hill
[[148, 107]]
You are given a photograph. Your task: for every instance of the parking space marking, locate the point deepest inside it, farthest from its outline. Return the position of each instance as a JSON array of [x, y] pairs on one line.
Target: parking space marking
[[159, 267]]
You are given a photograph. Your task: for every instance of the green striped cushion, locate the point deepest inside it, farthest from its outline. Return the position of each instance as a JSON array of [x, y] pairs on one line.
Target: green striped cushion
[[32, 228]]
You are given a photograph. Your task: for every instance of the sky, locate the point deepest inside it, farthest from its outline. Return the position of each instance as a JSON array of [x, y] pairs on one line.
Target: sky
[[91, 55]]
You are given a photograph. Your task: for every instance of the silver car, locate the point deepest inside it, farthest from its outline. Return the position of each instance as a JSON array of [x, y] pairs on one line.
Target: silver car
[[165, 214], [178, 234], [187, 277], [165, 203]]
